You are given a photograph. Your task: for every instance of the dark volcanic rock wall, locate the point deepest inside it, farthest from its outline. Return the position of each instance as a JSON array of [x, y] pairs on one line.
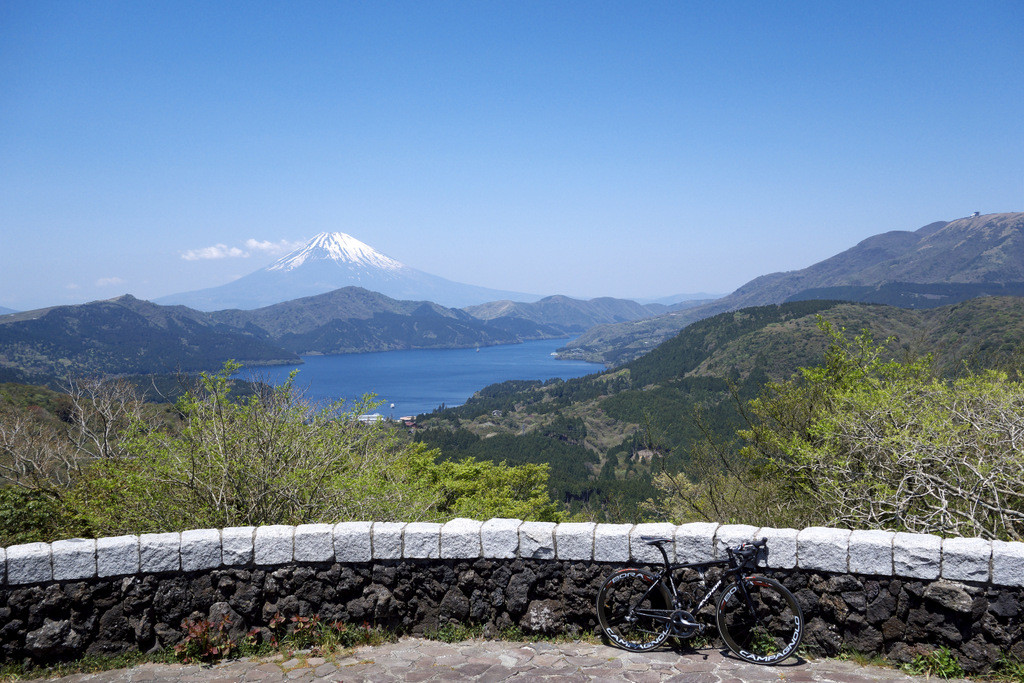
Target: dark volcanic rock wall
[[895, 617], [875, 592]]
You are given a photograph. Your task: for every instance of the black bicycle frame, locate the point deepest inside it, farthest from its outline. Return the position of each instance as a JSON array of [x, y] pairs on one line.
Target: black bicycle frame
[[735, 569]]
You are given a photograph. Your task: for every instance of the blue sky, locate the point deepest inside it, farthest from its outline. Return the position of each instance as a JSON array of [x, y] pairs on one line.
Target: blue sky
[[585, 148]]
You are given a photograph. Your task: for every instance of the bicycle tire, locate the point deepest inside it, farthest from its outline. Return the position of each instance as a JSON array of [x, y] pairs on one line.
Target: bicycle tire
[[771, 632], [633, 612]]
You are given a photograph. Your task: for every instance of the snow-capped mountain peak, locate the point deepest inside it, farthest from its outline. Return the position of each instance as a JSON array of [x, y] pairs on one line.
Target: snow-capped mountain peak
[[340, 248], [330, 261]]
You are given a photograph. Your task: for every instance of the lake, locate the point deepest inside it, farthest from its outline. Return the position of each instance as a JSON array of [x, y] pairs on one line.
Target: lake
[[420, 380]]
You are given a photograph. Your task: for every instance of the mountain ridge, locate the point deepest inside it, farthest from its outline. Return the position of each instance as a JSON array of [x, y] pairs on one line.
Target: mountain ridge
[[126, 335], [977, 250], [572, 315], [123, 336]]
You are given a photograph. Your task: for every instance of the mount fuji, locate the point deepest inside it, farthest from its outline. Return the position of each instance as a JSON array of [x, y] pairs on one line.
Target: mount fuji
[[330, 261]]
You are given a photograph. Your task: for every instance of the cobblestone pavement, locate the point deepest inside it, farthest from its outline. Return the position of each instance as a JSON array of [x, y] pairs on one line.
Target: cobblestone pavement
[[412, 659]]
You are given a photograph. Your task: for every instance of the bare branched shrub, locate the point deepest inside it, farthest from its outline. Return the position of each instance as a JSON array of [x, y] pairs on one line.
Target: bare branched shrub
[[103, 415], [39, 452], [34, 453]]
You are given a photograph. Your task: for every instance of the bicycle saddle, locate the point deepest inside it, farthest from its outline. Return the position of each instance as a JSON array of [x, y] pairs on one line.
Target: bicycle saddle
[[653, 540]]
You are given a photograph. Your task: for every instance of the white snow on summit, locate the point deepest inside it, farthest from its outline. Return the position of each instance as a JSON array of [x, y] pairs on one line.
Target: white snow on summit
[[339, 247]]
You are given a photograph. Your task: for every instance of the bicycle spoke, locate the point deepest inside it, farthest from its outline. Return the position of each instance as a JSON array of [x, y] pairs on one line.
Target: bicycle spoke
[[633, 610], [760, 621]]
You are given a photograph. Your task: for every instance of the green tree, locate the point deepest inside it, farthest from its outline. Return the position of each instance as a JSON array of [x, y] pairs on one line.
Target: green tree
[[718, 482], [868, 441], [273, 458], [479, 490]]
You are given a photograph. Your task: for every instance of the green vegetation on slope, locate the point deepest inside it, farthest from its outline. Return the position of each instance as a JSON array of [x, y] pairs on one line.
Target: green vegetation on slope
[[864, 441], [111, 465], [678, 408]]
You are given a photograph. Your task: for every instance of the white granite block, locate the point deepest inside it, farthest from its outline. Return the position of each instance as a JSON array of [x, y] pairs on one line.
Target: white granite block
[[117, 556], [781, 546], [695, 542], [274, 544], [732, 535], [74, 558], [460, 539], [916, 556], [966, 559], [237, 545], [200, 549], [1007, 563], [611, 542], [641, 552], [29, 563], [3, 565], [871, 552], [499, 538], [575, 541], [823, 549], [422, 540], [314, 543], [353, 541], [537, 540], [387, 540], [160, 552]]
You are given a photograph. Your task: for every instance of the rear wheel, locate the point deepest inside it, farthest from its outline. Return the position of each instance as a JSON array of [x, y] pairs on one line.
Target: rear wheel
[[760, 621], [634, 609]]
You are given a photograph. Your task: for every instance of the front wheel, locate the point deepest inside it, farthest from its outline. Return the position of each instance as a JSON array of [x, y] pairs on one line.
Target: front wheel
[[760, 621], [634, 609]]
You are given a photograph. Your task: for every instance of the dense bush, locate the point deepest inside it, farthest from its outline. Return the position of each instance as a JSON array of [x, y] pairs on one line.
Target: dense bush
[[270, 458], [867, 441]]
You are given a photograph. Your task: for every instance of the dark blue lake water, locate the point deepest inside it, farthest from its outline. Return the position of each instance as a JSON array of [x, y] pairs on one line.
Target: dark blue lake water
[[419, 381]]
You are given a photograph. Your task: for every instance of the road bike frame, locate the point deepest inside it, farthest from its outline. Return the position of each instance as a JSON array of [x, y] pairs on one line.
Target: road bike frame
[[736, 568]]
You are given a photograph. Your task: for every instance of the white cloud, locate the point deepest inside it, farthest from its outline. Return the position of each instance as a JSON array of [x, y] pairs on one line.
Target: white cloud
[[215, 252], [281, 247], [72, 285], [109, 281], [219, 251]]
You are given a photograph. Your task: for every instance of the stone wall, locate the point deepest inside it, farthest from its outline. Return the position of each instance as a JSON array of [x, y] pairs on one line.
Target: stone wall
[[875, 592]]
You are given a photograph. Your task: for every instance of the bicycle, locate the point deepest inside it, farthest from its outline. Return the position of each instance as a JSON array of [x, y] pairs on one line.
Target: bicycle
[[759, 620]]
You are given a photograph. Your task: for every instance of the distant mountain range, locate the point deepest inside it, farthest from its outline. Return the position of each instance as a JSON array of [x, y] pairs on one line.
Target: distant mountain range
[[683, 299], [572, 316], [130, 336], [5, 311], [330, 261], [939, 264]]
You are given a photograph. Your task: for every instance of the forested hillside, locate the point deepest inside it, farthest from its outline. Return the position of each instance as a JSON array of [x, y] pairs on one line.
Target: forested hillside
[[126, 335], [123, 336], [613, 431]]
